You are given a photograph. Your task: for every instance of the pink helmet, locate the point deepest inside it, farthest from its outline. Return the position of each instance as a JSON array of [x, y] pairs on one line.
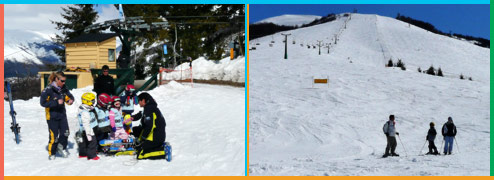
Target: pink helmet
[[104, 100]]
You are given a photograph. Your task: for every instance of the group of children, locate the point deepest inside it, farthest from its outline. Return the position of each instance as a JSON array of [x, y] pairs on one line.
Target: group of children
[[110, 119]]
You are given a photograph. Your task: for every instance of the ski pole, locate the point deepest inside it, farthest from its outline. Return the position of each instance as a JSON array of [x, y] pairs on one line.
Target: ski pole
[[457, 147], [422, 148], [406, 154]]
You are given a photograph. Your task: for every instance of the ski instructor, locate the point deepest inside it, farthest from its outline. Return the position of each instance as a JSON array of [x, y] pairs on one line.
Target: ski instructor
[[151, 131], [390, 131], [52, 99]]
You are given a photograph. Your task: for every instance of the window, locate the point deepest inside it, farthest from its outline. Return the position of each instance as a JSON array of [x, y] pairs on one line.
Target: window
[[111, 55]]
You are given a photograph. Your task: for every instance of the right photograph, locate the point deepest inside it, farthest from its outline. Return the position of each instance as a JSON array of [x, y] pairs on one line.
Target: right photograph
[[369, 90]]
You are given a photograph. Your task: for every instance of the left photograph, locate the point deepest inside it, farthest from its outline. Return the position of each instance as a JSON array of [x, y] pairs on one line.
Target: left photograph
[[120, 89]]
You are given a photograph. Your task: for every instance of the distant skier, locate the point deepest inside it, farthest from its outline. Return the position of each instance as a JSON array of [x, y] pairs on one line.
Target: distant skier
[[53, 98], [86, 138], [151, 133], [449, 133], [390, 131], [431, 136]]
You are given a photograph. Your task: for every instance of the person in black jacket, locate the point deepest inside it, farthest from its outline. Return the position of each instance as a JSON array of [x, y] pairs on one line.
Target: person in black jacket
[[52, 99], [151, 133], [449, 133], [104, 83], [431, 135]]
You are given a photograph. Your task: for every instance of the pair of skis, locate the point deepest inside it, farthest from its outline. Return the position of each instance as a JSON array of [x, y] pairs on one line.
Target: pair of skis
[[14, 125]]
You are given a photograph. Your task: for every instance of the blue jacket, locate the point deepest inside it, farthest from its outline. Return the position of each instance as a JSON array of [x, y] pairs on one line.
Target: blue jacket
[[49, 99], [132, 101]]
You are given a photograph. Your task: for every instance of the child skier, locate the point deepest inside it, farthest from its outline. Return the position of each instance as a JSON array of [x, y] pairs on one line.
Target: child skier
[[128, 99], [116, 121], [431, 135], [86, 139], [102, 111]]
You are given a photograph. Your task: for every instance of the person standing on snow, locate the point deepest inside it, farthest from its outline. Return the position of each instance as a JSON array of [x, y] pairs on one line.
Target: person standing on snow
[[86, 138], [449, 133], [390, 131], [52, 99], [104, 83], [431, 136]]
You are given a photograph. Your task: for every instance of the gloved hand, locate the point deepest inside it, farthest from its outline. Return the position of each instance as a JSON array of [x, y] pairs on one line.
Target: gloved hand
[[89, 138], [137, 116], [114, 129], [397, 133]]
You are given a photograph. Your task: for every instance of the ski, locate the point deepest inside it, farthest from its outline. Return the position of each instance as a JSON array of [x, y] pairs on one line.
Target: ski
[[110, 142], [14, 126]]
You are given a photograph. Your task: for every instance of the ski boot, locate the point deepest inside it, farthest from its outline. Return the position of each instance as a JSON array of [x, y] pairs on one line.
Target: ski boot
[[394, 154], [61, 151], [52, 157], [168, 151]]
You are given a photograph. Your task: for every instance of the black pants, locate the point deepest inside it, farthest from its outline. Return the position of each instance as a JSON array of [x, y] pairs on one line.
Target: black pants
[[58, 130], [432, 147], [391, 144], [88, 148], [149, 149], [100, 134]]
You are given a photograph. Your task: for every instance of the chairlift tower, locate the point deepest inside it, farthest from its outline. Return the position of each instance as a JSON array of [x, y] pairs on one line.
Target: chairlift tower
[[286, 38]]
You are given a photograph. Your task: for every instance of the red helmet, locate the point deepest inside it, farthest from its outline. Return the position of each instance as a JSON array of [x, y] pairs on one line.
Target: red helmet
[[104, 100], [114, 100], [130, 88]]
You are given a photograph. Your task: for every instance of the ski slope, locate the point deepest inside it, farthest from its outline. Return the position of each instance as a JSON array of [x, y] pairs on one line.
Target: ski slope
[[205, 126], [337, 130]]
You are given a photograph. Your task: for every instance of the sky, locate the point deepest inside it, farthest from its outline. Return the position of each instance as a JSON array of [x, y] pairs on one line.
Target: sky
[[36, 17], [470, 20]]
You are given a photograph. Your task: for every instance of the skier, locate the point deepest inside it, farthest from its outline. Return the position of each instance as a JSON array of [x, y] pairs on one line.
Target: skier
[[151, 133], [431, 136], [390, 131], [449, 133], [104, 83], [102, 112], [86, 139], [128, 99], [116, 121], [53, 98]]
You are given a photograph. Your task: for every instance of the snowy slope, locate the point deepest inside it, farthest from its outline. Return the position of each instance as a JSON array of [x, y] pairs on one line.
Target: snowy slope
[[28, 47], [205, 126], [290, 19], [299, 130]]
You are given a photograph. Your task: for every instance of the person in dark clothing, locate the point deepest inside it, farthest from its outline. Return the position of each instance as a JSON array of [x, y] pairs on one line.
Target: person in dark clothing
[[449, 133], [52, 99], [123, 61], [431, 136], [104, 83], [151, 131]]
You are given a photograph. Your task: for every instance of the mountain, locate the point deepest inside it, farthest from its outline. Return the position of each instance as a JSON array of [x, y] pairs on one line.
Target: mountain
[[336, 128], [290, 19], [24, 49]]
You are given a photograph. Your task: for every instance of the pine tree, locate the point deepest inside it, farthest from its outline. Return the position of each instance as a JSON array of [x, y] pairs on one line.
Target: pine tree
[[431, 71], [461, 76], [420, 70], [390, 63], [77, 18]]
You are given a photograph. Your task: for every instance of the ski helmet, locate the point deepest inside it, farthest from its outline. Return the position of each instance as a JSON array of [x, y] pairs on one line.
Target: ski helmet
[[104, 100], [130, 88], [88, 98], [115, 99]]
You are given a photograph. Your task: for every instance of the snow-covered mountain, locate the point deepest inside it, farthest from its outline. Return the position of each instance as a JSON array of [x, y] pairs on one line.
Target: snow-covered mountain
[[290, 19], [23, 47], [337, 129]]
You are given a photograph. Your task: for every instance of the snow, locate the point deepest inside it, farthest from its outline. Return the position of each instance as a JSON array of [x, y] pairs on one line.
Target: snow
[[290, 19], [337, 130], [205, 126], [224, 70]]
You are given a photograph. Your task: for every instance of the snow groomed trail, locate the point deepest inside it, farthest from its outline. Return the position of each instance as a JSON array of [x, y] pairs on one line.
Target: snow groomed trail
[[299, 130]]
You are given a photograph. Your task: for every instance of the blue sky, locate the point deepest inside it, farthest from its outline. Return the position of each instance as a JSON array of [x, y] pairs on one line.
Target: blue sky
[[463, 19]]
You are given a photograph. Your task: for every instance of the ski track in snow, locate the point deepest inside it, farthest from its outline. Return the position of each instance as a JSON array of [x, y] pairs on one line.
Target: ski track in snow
[[299, 130], [205, 126]]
